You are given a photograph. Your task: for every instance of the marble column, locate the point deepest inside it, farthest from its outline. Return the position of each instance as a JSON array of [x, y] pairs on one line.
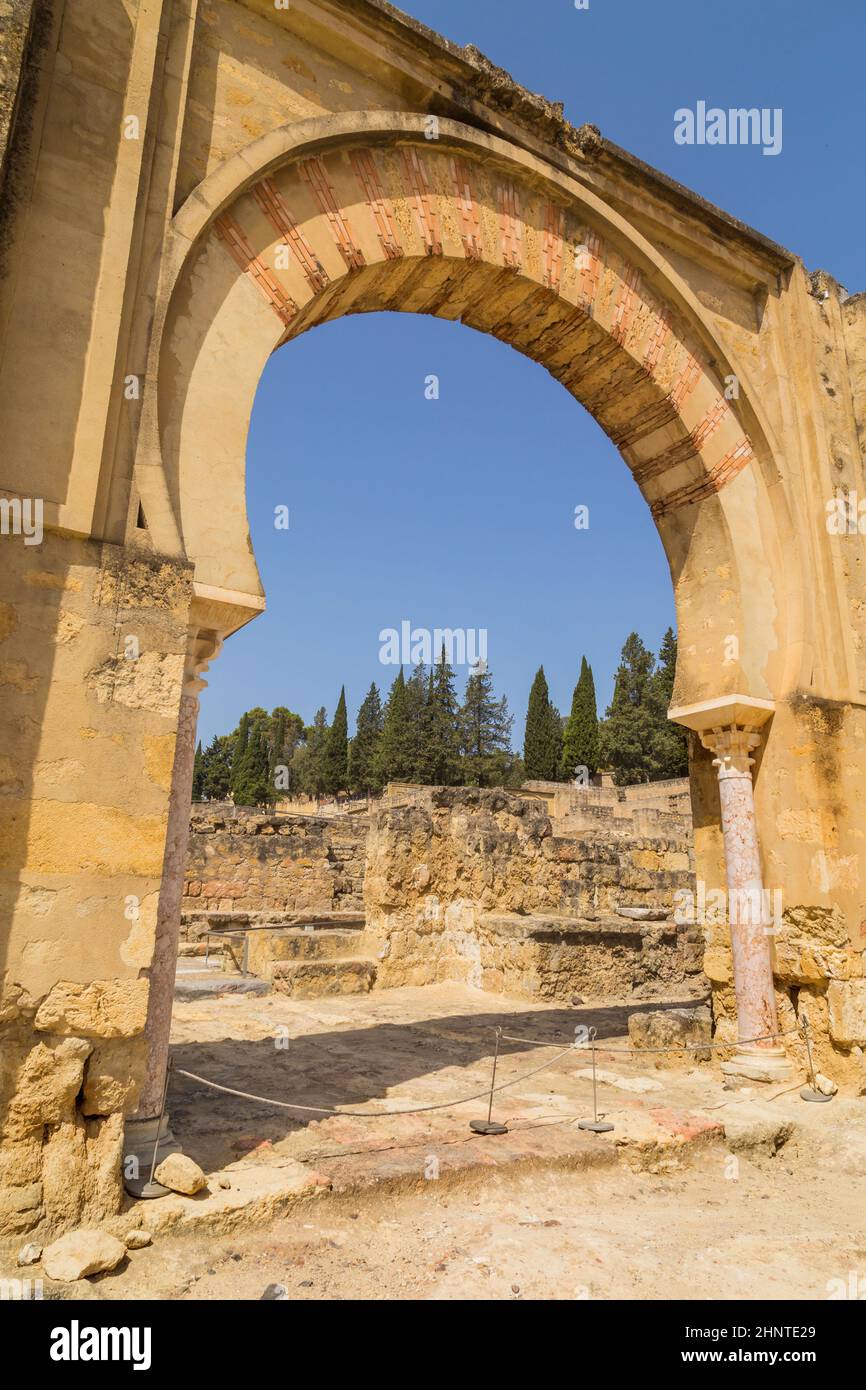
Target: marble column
[[202, 648], [730, 729], [748, 917]]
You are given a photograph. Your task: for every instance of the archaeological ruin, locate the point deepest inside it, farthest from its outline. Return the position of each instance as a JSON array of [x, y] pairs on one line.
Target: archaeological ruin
[[187, 186]]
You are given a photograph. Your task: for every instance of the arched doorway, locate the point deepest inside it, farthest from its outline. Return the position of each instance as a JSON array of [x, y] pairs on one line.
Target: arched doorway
[[463, 227]]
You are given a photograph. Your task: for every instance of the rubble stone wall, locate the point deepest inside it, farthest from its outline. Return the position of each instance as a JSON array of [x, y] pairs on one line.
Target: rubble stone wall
[[475, 885], [242, 861]]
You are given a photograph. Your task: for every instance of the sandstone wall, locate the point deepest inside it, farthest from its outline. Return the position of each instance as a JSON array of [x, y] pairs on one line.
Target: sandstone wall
[[87, 738], [240, 861], [476, 886]]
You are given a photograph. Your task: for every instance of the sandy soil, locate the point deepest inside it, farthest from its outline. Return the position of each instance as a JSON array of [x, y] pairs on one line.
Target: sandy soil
[[769, 1228]]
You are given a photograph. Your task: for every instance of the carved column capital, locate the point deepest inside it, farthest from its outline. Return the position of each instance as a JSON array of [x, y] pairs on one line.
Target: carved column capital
[[203, 645], [732, 746]]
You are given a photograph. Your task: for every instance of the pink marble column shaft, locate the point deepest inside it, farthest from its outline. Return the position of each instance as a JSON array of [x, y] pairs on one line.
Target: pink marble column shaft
[[202, 648], [747, 917]]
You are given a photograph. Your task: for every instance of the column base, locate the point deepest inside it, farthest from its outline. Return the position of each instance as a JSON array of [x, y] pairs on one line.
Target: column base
[[769, 1064], [138, 1144]]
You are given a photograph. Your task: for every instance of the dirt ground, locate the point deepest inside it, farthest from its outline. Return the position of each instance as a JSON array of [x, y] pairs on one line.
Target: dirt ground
[[702, 1191], [767, 1228]]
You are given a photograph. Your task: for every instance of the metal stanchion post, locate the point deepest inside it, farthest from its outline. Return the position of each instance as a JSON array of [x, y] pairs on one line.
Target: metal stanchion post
[[595, 1124], [810, 1092], [489, 1126]]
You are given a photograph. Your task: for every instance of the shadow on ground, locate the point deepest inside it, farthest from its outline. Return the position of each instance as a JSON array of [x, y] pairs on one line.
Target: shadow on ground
[[349, 1067]]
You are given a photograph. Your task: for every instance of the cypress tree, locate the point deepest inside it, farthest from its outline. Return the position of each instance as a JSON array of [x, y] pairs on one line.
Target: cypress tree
[[240, 748], [251, 785], [362, 749], [625, 736], [580, 737], [198, 770], [543, 739], [335, 754]]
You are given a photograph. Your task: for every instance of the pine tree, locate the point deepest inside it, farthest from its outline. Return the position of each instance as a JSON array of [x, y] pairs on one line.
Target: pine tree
[[335, 754], [580, 737], [542, 743], [669, 756], [362, 750], [485, 732], [198, 769], [311, 766], [445, 736], [625, 736], [417, 754], [285, 736], [395, 754], [217, 767]]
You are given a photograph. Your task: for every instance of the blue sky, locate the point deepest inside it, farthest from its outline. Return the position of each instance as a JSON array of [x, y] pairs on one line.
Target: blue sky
[[459, 512]]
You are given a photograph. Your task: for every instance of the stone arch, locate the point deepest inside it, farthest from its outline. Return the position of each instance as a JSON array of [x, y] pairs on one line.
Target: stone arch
[[363, 213]]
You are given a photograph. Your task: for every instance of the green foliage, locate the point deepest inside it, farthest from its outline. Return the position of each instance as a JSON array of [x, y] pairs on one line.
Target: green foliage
[[636, 739], [335, 752], [394, 759], [485, 732], [580, 736], [441, 765], [198, 774], [362, 749], [250, 781], [669, 751], [424, 735], [217, 767], [542, 744]]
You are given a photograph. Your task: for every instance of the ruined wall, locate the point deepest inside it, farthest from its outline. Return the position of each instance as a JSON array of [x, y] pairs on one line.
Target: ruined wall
[[87, 732], [241, 861], [475, 886]]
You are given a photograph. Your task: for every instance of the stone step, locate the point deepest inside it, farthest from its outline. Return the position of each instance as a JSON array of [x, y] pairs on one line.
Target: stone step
[[297, 944], [311, 979], [265, 949], [193, 984]]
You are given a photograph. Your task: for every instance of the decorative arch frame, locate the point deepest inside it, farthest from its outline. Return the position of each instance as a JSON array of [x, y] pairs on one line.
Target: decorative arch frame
[[372, 214]]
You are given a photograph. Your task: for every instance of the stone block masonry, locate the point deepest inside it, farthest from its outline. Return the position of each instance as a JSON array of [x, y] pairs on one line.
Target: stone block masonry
[[242, 861], [454, 884], [475, 886]]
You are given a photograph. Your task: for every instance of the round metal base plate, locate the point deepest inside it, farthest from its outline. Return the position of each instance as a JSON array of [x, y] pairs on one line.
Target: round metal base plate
[[597, 1126], [487, 1127], [808, 1094], [146, 1191]]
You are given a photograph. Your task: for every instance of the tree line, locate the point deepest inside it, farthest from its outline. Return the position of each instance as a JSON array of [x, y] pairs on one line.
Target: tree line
[[424, 733]]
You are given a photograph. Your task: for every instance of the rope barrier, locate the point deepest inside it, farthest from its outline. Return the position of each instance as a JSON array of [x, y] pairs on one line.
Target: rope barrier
[[370, 1114], [590, 1044]]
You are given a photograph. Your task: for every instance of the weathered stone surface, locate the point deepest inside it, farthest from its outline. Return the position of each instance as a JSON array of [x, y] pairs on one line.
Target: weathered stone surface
[[29, 1254], [80, 1254], [101, 1009], [113, 1077], [675, 1029], [137, 1239], [847, 1004], [312, 979], [508, 905], [182, 1174]]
